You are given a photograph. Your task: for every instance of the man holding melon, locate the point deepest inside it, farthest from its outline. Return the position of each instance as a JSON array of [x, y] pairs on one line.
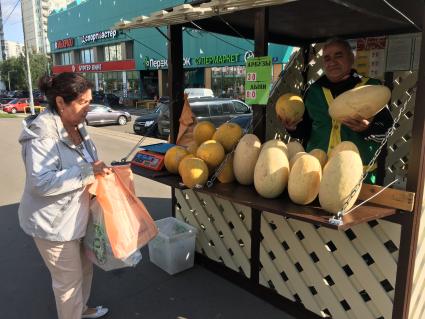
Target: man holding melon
[[341, 106]]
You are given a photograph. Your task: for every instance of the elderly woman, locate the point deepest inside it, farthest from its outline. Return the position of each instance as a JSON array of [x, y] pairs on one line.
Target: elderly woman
[[61, 162]]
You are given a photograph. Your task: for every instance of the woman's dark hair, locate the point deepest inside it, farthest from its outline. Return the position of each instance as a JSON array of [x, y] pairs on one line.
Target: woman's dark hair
[[67, 85]]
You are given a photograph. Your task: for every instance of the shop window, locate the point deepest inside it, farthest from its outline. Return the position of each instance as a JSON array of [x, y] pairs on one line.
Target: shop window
[[87, 56], [113, 52], [228, 81], [66, 58], [239, 107]]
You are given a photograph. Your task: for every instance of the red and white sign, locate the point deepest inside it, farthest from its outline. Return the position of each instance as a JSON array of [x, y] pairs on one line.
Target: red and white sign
[[64, 43], [96, 67]]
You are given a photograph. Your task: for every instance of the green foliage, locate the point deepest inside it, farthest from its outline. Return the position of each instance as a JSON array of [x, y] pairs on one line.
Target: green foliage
[[15, 69]]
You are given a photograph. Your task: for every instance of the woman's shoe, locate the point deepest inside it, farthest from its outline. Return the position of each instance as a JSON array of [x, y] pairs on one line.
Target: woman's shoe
[[100, 312]]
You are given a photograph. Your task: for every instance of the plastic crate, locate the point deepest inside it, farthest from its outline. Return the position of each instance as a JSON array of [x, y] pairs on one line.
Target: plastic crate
[[173, 249]]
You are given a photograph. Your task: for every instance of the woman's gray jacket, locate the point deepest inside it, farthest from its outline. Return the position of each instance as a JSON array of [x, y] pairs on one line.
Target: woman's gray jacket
[[55, 202]]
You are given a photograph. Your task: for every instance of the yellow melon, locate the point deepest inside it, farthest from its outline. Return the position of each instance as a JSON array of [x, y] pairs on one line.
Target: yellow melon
[[294, 147], [271, 172], [228, 135], [361, 102], [320, 155], [245, 158], [340, 175], [290, 107], [192, 147], [275, 143], [226, 175], [343, 146], [304, 179], [187, 156], [193, 171], [173, 157], [295, 157], [212, 152], [203, 131]]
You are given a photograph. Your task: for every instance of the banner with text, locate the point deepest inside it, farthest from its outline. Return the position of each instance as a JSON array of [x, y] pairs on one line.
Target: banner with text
[[258, 79]]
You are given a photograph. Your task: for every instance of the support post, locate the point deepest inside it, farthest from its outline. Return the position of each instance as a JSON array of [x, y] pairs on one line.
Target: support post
[[259, 124], [415, 183], [175, 78], [175, 88]]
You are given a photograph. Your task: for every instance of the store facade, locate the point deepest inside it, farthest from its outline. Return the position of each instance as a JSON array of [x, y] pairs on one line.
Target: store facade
[[133, 65]]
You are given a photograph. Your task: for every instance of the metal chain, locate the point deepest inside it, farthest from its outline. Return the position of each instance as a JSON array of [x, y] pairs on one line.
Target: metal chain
[[389, 133]]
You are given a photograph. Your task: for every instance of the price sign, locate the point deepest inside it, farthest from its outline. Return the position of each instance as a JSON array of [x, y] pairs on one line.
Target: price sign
[[250, 94], [251, 76], [258, 78]]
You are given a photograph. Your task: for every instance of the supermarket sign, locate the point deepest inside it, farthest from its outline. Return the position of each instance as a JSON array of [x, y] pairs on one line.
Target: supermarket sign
[[258, 79], [96, 67]]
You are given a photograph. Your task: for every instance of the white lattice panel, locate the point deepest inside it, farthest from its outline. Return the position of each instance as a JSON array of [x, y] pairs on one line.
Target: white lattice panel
[[332, 273], [223, 228]]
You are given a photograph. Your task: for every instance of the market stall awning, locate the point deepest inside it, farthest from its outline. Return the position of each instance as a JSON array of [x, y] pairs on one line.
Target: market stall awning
[[289, 21]]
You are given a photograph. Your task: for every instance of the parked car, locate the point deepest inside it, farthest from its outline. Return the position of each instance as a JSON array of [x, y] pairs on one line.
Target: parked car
[[106, 99], [215, 110], [198, 92], [17, 105], [147, 124], [101, 114], [243, 120]]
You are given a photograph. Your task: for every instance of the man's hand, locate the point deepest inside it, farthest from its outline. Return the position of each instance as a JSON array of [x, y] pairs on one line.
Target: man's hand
[[100, 168], [289, 125], [357, 124]]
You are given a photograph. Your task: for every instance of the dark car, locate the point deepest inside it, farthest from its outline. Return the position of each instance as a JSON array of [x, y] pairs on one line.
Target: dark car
[[215, 110], [106, 99], [101, 114], [243, 121], [147, 124]]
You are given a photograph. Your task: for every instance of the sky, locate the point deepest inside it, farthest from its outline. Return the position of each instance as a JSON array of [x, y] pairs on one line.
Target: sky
[[13, 26]]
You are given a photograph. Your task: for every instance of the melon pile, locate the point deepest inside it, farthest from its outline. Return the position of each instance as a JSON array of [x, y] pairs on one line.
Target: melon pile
[[271, 167], [201, 158]]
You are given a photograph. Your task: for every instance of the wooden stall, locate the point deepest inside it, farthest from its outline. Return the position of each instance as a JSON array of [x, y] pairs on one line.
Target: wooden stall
[[370, 263]]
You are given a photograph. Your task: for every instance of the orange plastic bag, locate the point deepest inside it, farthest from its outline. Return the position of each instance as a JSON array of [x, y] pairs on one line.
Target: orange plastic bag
[[127, 221]]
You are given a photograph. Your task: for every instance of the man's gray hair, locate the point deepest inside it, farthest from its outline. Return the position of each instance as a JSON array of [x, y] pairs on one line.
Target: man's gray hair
[[341, 42]]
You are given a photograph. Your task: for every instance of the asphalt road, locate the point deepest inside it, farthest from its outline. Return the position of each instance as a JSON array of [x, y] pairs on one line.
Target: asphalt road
[[145, 291]]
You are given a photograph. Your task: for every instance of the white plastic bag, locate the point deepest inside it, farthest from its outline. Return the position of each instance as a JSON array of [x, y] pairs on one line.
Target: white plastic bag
[[97, 247]]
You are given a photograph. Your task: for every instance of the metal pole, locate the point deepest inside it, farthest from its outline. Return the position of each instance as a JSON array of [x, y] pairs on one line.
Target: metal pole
[[27, 58], [8, 79]]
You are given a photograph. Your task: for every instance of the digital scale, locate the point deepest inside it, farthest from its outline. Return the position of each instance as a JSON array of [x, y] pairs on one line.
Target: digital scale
[[151, 156]]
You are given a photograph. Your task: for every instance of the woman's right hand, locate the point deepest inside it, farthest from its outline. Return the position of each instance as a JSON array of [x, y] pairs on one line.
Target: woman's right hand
[[100, 168]]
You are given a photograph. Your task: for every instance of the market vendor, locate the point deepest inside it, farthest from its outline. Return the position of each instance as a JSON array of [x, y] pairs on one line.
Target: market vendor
[[316, 129]]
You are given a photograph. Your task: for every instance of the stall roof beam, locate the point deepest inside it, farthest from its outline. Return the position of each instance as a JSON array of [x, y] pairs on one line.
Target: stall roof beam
[[289, 21]]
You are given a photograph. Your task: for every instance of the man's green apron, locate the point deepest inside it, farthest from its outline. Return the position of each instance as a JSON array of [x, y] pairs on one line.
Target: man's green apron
[[326, 133]]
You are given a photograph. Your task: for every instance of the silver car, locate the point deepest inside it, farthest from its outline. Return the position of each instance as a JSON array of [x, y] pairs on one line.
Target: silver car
[[101, 114]]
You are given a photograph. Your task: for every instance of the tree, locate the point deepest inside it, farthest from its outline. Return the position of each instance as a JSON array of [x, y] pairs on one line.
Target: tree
[[15, 68]]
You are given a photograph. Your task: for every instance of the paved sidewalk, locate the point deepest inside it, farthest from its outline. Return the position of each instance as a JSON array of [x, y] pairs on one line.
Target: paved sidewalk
[[141, 292]]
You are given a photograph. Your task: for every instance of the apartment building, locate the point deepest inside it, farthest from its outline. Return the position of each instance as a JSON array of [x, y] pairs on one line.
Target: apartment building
[[35, 13], [13, 49]]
